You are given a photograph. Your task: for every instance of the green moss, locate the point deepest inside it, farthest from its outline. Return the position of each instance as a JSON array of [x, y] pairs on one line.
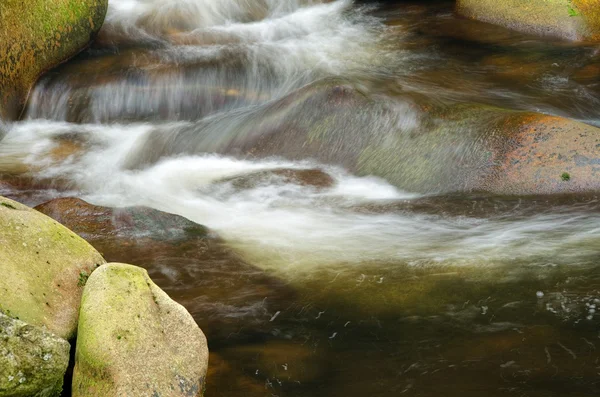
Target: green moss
[[567, 19], [83, 277], [565, 176], [41, 262], [40, 356], [119, 322], [48, 33]]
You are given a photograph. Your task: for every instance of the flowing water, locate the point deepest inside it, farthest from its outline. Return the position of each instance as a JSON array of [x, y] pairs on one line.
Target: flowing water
[[378, 286]]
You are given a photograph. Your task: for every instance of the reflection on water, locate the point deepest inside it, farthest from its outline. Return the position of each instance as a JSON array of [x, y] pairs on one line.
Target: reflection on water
[[325, 282]]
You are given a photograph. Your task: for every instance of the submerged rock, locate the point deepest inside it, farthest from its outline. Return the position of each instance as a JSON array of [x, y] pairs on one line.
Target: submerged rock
[[135, 223], [44, 266], [38, 37], [304, 177], [32, 360], [426, 149], [229, 298], [134, 340], [567, 19]]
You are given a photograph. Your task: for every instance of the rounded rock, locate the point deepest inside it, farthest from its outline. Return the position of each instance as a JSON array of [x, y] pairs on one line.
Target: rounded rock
[[133, 340]]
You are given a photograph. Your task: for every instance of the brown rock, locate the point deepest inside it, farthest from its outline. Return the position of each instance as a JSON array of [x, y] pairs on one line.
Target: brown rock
[[546, 154], [303, 177]]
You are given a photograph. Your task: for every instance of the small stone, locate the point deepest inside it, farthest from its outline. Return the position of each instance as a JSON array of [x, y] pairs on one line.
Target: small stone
[[539, 294]]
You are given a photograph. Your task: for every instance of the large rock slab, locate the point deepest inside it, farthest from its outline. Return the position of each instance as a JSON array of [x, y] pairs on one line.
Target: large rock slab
[[567, 19], [44, 266], [134, 340], [32, 360], [466, 148], [38, 36]]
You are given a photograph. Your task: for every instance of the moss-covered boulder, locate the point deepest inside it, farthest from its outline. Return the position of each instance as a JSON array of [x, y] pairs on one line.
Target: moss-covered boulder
[[567, 19], [473, 147], [38, 35], [32, 360], [43, 266], [133, 340]]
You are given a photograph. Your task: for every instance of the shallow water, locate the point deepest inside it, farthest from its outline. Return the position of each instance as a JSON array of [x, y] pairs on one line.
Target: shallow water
[[353, 288]]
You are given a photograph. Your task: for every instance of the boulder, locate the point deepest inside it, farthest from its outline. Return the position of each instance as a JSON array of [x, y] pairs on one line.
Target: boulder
[[133, 340], [37, 37], [469, 147], [545, 154], [44, 266], [566, 19], [32, 360]]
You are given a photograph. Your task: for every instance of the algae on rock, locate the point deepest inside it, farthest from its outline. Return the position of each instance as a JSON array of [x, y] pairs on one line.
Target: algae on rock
[[33, 361], [134, 340], [37, 35], [567, 19], [40, 264]]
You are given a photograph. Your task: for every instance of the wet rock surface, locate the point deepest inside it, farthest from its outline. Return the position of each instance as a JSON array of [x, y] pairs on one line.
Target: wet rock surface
[[457, 148], [303, 177], [144, 224]]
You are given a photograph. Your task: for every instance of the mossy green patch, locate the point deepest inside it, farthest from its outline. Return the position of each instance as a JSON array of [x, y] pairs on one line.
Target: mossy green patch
[[567, 19], [38, 37], [134, 340], [33, 361], [41, 262]]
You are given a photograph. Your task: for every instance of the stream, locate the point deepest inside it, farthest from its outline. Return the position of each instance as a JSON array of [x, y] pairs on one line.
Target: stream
[[353, 283]]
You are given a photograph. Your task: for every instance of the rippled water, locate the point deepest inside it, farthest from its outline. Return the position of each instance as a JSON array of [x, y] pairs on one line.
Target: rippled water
[[194, 107]]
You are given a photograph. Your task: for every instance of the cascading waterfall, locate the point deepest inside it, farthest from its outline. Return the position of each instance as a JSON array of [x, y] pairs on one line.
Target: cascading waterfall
[[206, 71], [209, 67]]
